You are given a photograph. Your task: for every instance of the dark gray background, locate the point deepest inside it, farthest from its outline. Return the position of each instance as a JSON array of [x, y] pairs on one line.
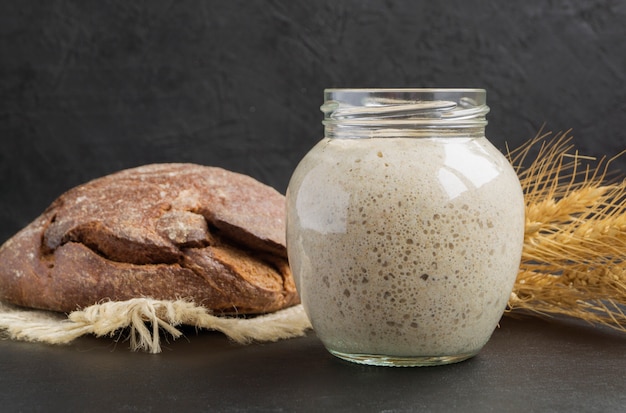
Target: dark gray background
[[91, 87]]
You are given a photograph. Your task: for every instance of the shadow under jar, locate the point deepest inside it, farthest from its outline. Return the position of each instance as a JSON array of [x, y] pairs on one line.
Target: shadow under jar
[[404, 227]]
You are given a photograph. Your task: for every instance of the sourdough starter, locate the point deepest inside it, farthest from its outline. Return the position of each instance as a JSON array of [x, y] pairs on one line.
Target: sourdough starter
[[404, 247]]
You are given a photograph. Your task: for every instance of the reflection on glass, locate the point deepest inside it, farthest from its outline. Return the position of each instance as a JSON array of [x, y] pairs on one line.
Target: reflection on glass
[[327, 216], [460, 173]]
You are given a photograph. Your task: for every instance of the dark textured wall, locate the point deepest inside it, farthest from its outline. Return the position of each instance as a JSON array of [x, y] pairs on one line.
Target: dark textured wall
[[90, 87]]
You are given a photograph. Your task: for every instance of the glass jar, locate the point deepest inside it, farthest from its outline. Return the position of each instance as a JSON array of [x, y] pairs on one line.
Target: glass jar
[[404, 226]]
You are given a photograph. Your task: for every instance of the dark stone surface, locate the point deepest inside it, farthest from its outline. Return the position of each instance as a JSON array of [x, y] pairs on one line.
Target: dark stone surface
[[527, 366], [88, 88]]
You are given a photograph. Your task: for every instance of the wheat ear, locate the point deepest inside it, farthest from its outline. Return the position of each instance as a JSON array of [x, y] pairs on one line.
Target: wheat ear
[[574, 255]]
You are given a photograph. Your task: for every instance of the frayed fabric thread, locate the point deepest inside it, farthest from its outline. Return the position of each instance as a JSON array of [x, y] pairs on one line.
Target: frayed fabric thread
[[146, 319]]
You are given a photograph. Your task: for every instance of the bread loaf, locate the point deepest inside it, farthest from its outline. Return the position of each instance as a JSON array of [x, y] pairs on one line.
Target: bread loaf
[[165, 231]]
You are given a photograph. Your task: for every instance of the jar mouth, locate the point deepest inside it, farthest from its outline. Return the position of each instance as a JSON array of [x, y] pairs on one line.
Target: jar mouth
[[402, 108]]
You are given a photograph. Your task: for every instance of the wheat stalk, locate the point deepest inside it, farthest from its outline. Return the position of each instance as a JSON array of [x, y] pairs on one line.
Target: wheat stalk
[[574, 255]]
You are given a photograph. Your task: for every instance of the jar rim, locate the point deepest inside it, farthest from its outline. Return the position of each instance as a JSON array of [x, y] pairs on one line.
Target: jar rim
[[405, 107], [407, 90]]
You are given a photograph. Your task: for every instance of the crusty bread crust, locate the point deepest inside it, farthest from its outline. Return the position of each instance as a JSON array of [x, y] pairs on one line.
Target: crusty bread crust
[[165, 231]]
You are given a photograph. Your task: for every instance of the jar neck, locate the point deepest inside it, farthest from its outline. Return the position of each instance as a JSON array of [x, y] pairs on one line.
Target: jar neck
[[414, 113]]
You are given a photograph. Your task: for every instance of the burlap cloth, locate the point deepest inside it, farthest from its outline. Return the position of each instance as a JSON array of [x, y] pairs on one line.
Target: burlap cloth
[[143, 321]]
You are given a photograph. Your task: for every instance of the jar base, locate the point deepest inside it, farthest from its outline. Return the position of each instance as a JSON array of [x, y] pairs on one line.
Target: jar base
[[398, 361]]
